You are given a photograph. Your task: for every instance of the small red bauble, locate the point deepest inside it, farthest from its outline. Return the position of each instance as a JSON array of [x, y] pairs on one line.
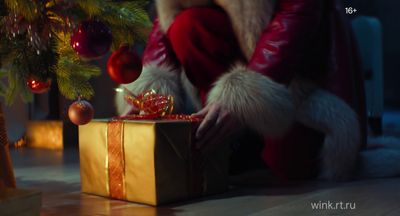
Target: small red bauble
[[37, 86], [80, 112], [124, 66], [91, 39]]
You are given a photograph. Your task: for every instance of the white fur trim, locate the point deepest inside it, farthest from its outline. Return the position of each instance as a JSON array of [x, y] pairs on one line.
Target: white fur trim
[[249, 17], [163, 79], [327, 113], [193, 102], [258, 102], [168, 9]]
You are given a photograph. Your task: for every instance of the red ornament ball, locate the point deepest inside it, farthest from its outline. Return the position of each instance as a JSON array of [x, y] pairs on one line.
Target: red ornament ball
[[37, 86], [124, 66], [80, 112], [91, 39]]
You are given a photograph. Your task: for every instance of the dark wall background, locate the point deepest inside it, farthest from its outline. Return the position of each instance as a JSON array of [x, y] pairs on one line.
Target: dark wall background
[[388, 12]]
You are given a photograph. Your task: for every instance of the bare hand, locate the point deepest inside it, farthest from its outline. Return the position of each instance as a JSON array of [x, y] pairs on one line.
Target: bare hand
[[218, 127]]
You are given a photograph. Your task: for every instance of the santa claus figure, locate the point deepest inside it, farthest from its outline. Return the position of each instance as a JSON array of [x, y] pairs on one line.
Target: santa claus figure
[[281, 73]]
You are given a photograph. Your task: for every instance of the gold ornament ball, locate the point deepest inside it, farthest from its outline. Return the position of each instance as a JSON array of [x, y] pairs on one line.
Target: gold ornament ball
[[80, 112]]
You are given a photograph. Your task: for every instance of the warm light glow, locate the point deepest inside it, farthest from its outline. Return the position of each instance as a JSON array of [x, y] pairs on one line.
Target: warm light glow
[[20, 143], [119, 90], [45, 134]]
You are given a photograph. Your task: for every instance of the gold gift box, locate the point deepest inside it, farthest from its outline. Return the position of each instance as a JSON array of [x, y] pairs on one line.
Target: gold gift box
[[45, 134], [50, 134], [149, 162]]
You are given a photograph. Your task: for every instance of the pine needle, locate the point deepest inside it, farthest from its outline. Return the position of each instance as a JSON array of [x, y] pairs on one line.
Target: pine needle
[[19, 60]]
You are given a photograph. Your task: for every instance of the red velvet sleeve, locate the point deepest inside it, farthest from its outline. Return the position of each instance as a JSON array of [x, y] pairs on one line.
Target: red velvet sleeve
[[284, 42], [158, 49]]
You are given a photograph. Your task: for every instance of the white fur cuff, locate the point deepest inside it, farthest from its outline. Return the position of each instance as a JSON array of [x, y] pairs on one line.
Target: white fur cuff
[[329, 114], [259, 102], [163, 79]]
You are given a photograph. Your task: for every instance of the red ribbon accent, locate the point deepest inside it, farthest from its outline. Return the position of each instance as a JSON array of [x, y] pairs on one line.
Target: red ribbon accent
[[157, 117]]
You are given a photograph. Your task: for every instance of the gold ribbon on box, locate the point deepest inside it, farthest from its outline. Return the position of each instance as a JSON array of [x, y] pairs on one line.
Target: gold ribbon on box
[[115, 164], [116, 160], [118, 168], [148, 162]]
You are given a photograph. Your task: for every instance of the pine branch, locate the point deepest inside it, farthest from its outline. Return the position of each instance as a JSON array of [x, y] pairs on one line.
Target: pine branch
[[75, 86], [12, 88], [52, 56], [67, 67], [72, 74], [27, 8], [92, 7], [16, 86], [128, 21], [19, 62]]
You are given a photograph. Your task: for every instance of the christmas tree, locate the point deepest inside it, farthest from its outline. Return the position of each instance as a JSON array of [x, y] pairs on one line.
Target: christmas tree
[[44, 41]]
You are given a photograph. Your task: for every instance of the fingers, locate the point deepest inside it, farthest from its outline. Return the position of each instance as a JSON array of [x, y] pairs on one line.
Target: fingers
[[210, 134], [217, 130], [201, 113], [208, 122], [224, 135]]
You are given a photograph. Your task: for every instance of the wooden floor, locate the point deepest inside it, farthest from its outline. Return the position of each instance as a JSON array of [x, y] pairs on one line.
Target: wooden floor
[[56, 174]]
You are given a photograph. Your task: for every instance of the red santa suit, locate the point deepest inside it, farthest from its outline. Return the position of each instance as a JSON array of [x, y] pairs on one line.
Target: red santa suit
[[286, 69]]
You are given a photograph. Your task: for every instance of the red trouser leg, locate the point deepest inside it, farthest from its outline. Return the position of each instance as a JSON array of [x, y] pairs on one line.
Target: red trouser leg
[[204, 43], [296, 155]]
